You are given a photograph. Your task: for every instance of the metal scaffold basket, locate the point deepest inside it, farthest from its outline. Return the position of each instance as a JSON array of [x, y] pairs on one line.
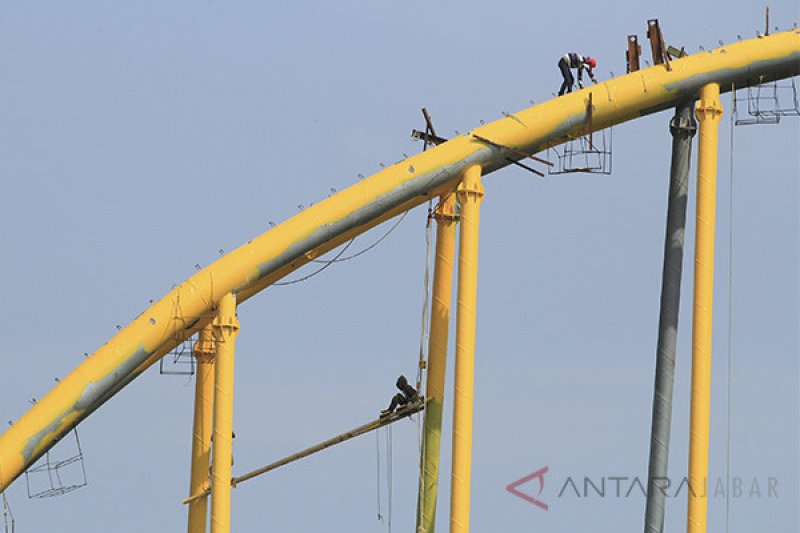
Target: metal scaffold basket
[[766, 103], [590, 154], [51, 477]]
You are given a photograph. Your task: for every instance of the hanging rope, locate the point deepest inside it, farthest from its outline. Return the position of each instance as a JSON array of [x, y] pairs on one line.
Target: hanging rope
[[378, 471], [425, 329], [339, 259], [730, 327], [425, 299], [424, 332], [8, 516], [389, 477], [327, 264], [368, 248]]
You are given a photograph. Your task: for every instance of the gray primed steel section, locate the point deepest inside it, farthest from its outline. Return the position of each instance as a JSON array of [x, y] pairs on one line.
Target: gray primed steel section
[[388, 202], [726, 78], [683, 129], [93, 396], [490, 158]]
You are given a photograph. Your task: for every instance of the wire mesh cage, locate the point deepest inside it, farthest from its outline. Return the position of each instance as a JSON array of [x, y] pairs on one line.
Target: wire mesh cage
[[180, 361], [9, 525], [589, 154], [51, 477], [766, 103]]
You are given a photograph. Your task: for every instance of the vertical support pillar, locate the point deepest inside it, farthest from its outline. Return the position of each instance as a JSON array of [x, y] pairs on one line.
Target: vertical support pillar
[[470, 195], [226, 327], [709, 111], [201, 431], [437, 358], [683, 127]]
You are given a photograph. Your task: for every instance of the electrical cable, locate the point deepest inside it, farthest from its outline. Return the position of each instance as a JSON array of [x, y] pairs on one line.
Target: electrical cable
[[327, 264], [378, 471], [8, 516], [365, 250], [730, 325], [389, 478], [422, 356], [339, 259]]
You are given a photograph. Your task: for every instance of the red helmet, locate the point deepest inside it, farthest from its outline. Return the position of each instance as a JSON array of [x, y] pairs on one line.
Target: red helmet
[[591, 61]]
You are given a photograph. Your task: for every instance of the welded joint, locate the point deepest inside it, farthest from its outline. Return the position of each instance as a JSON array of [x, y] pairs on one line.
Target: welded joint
[[445, 212], [470, 187], [682, 126], [225, 326], [205, 348], [709, 108]]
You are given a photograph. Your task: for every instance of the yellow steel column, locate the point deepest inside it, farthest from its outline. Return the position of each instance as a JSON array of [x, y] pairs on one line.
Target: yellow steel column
[[201, 432], [437, 358], [226, 327], [709, 110], [470, 195]]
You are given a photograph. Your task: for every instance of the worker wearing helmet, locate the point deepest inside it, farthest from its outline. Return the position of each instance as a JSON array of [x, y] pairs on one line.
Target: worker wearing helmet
[[579, 62]]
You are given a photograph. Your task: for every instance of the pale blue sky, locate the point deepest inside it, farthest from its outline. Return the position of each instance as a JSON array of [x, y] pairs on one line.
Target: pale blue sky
[[138, 140]]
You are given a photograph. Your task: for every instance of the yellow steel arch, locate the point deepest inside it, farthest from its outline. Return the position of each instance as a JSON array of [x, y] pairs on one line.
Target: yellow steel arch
[[322, 227]]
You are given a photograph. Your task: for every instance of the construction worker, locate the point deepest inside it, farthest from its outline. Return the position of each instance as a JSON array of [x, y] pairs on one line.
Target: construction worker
[[407, 395], [579, 62]]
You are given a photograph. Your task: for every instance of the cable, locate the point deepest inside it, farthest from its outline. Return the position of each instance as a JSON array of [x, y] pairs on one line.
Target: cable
[[8, 516], [378, 470], [730, 327], [422, 356], [328, 263], [365, 250], [389, 478], [426, 297]]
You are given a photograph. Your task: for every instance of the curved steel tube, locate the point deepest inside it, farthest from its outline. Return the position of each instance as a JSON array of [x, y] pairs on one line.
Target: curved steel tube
[[320, 228]]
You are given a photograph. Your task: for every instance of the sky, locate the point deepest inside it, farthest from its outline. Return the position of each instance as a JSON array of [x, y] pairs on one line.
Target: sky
[[139, 140]]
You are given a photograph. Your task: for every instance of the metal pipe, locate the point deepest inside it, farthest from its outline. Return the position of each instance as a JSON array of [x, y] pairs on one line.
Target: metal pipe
[[226, 328], [445, 215], [331, 222], [470, 194], [683, 127], [204, 350], [709, 111], [405, 412]]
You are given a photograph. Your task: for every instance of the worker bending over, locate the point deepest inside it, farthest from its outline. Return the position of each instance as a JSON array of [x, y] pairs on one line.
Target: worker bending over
[[575, 61]]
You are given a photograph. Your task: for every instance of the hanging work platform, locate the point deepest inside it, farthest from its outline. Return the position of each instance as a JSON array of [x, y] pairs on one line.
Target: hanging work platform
[[766, 103], [52, 477], [180, 361], [400, 414], [9, 525], [589, 154]]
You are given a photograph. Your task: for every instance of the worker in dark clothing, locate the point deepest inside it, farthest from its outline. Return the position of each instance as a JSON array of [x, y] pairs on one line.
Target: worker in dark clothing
[[407, 395], [575, 61]]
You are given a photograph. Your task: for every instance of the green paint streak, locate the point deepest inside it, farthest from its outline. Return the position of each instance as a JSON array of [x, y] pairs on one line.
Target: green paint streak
[[430, 479]]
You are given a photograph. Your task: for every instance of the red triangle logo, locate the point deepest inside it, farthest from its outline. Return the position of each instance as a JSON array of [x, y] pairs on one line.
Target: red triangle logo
[[539, 474]]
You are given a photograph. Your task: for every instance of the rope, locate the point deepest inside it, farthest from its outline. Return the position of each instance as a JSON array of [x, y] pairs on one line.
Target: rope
[[339, 259], [389, 478], [422, 356], [8, 516], [327, 264], [426, 297], [365, 250], [378, 470], [730, 328]]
